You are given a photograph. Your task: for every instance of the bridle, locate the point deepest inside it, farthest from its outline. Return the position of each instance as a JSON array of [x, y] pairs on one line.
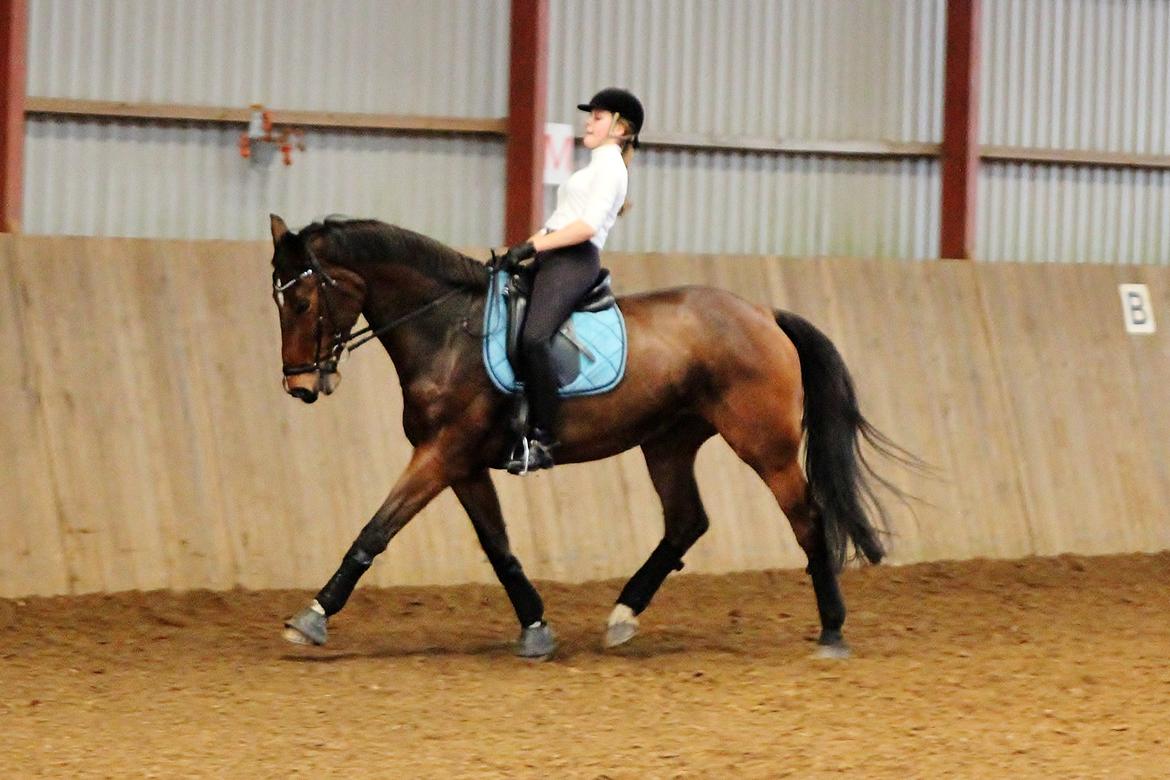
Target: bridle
[[323, 363], [326, 362]]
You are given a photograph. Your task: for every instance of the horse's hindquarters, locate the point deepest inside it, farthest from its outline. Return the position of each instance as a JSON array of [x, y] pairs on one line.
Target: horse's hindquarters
[[697, 356]]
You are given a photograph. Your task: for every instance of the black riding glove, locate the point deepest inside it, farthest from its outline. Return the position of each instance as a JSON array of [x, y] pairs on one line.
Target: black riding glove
[[518, 253]]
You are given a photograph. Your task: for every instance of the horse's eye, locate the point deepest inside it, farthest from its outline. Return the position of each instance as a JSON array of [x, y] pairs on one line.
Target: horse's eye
[[301, 306]]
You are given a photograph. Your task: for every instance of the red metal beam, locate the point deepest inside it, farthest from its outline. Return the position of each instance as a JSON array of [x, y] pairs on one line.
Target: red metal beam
[[13, 70], [527, 90], [960, 146]]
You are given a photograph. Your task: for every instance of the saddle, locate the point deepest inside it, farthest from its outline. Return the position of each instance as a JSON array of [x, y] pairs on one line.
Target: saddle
[[567, 349], [589, 349]]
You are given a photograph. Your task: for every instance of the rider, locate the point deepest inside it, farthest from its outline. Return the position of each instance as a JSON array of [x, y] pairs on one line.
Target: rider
[[567, 252]]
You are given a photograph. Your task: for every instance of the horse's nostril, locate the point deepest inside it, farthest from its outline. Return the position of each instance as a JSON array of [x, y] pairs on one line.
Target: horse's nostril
[[306, 395]]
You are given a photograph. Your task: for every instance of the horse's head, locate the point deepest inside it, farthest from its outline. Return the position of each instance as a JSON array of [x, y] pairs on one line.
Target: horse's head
[[318, 301]]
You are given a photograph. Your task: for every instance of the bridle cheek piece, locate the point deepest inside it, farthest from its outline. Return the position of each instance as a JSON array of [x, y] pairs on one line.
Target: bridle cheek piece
[[323, 363]]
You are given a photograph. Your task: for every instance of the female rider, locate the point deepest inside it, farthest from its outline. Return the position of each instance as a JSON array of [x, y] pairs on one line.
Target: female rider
[[567, 257]]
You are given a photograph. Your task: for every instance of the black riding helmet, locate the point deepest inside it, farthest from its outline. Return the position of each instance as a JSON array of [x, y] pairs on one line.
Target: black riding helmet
[[618, 101]]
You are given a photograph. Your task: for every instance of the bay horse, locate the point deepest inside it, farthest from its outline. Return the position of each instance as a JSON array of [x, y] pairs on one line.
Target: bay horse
[[700, 361]]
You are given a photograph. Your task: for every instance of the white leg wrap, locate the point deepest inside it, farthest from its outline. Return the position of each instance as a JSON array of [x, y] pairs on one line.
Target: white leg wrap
[[622, 614]]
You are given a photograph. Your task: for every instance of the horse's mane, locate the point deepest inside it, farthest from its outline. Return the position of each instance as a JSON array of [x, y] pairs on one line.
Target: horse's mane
[[378, 241]]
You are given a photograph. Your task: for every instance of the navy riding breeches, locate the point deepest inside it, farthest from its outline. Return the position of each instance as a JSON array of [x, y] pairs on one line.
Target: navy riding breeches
[[562, 277]]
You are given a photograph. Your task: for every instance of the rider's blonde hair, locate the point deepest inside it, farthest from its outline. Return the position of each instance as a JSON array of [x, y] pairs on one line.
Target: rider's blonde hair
[[627, 144]]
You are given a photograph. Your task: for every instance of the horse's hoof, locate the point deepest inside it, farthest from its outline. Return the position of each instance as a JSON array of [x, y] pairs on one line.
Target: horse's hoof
[[620, 634], [536, 642], [307, 627], [833, 651], [622, 626]]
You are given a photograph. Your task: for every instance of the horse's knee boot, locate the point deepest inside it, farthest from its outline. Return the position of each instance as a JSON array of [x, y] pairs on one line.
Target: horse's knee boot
[[830, 605], [648, 579], [337, 591], [525, 600]]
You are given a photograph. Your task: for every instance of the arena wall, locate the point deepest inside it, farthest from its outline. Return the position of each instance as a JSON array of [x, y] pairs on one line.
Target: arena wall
[[800, 127], [148, 443]]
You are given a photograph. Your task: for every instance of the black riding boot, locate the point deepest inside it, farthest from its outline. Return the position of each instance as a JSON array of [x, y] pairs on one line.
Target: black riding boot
[[535, 451]]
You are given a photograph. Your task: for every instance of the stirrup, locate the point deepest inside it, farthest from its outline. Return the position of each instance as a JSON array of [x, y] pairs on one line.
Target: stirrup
[[529, 454]]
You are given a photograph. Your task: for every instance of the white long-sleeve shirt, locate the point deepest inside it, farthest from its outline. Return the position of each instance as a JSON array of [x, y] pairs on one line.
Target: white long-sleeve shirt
[[593, 194]]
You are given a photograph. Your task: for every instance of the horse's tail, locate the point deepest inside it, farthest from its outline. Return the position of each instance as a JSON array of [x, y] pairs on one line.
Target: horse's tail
[[838, 475]]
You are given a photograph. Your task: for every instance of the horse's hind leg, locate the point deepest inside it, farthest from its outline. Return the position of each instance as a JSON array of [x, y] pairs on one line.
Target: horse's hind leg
[[789, 486], [478, 496], [670, 458], [769, 441]]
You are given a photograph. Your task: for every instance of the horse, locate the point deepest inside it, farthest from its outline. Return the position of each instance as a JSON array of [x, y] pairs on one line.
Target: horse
[[700, 361]]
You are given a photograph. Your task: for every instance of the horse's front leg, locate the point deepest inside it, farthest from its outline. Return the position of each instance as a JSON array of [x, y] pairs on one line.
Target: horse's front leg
[[425, 477], [478, 496]]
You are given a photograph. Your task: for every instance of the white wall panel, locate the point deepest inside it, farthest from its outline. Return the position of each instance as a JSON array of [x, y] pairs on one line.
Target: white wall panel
[[428, 57], [791, 69], [1072, 214], [114, 179], [1077, 74]]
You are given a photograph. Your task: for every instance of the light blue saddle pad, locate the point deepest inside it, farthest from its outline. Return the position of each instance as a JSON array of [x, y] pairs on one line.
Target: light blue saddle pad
[[603, 334]]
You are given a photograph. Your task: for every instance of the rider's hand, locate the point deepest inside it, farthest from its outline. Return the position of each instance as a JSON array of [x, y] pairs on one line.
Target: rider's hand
[[517, 253]]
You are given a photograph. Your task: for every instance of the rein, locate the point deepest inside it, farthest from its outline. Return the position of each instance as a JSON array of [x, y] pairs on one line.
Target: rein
[[369, 332]]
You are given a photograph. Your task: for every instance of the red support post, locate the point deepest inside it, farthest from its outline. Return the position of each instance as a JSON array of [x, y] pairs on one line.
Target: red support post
[[527, 91], [13, 70], [959, 164]]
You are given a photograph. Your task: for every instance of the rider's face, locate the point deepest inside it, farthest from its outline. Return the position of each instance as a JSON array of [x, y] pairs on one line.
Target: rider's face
[[598, 127]]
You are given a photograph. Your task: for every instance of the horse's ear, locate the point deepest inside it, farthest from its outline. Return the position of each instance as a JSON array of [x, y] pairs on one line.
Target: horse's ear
[[279, 229]]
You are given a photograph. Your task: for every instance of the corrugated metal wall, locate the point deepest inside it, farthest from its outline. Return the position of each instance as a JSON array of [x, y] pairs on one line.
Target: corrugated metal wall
[[1077, 74], [429, 57], [1072, 214], [765, 70], [115, 179], [776, 69], [1063, 74], [745, 203], [794, 69], [1085, 75]]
